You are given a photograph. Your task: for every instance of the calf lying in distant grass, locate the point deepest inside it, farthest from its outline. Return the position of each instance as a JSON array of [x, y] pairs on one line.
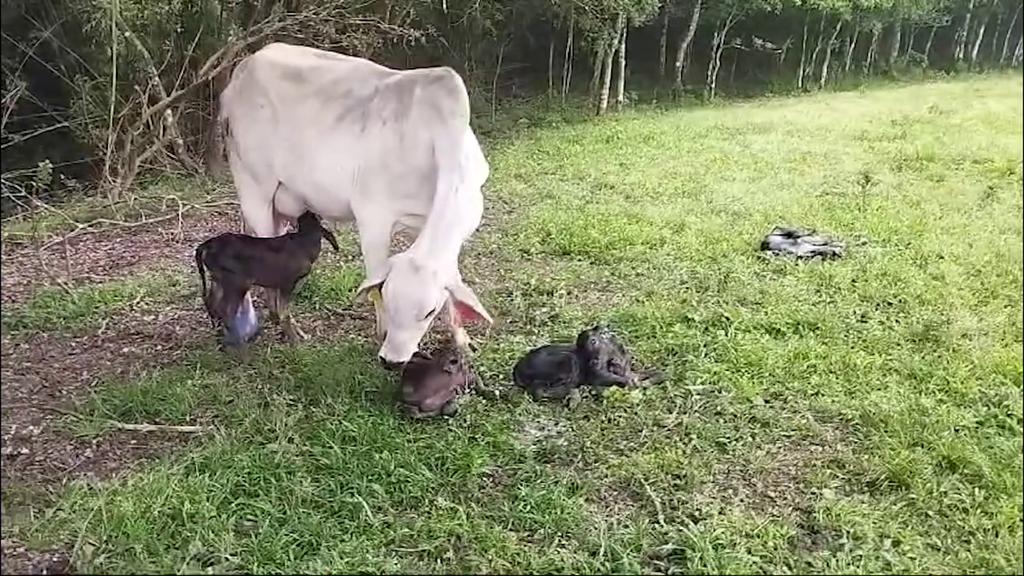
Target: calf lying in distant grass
[[237, 262]]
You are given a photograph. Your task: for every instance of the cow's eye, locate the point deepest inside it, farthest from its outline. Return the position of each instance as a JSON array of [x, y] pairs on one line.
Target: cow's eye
[[429, 314]]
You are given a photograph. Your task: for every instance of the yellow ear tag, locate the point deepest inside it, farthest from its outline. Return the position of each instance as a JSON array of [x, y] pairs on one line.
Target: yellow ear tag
[[374, 296]]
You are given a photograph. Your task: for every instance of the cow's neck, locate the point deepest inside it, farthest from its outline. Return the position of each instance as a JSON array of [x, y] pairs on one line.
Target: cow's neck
[[439, 242]]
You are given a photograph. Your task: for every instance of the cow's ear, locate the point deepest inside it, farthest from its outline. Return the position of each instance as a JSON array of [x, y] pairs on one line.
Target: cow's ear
[[467, 304], [363, 292]]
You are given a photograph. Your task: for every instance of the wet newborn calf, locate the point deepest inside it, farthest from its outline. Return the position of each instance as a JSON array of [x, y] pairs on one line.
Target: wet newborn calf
[[237, 262], [800, 243], [433, 385], [597, 359]]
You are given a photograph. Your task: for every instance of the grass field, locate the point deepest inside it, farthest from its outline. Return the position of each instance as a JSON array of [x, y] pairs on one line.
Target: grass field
[[855, 416]]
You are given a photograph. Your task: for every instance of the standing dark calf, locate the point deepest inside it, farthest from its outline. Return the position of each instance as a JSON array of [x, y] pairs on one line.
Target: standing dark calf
[[237, 262]]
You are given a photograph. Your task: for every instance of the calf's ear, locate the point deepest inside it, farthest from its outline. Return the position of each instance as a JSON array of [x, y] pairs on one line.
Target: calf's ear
[[467, 304]]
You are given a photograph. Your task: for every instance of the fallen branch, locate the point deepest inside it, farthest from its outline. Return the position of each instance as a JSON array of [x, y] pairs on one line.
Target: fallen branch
[[158, 427], [657, 503], [90, 227], [182, 428]]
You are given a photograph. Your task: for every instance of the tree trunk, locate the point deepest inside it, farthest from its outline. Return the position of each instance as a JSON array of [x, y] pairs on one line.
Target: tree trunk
[[819, 43], [606, 69], [852, 47], [910, 42], [979, 36], [894, 46], [961, 34], [595, 78], [992, 49], [928, 46], [663, 41], [1018, 52], [869, 61], [782, 54], [620, 69], [732, 69], [717, 47], [828, 53], [567, 62], [803, 55], [684, 44], [551, 62], [1006, 40], [712, 76]]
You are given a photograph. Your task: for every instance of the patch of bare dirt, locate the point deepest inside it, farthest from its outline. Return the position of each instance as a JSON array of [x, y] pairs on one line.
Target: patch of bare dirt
[[109, 254], [19, 559]]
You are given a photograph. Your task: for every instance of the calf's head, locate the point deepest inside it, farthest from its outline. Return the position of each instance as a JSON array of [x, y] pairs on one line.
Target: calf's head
[[414, 293]]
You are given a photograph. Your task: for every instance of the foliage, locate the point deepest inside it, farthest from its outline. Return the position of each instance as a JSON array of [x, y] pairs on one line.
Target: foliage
[[80, 75]]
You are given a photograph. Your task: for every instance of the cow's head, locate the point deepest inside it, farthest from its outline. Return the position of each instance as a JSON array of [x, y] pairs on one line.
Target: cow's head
[[414, 293]]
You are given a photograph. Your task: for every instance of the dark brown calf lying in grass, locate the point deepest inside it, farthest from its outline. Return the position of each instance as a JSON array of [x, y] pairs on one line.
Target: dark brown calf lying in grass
[[237, 262]]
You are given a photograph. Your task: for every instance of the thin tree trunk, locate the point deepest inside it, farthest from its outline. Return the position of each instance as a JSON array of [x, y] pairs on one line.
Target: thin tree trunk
[[869, 62], [782, 54], [961, 35], [1006, 40], [663, 41], [979, 36], [818, 44], [852, 47], [910, 41], [620, 69], [709, 82], [717, 47], [1018, 52], [551, 62], [595, 78], [803, 55], [828, 53], [567, 62], [928, 46], [732, 69], [606, 69], [684, 44], [894, 45], [992, 49]]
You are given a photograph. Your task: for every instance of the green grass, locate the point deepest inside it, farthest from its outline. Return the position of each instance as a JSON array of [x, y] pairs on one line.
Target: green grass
[[862, 415]]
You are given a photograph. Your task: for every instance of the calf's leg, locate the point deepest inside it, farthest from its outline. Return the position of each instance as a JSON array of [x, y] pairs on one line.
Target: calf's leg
[[292, 332]]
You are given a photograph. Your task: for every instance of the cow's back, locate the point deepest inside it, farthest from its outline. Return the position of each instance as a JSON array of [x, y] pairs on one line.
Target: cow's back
[[325, 124]]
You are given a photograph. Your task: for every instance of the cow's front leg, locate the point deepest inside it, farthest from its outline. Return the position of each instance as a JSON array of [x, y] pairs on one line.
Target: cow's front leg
[[375, 244]]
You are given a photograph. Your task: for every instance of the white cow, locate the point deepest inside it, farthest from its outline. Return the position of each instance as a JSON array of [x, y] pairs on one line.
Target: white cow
[[355, 141]]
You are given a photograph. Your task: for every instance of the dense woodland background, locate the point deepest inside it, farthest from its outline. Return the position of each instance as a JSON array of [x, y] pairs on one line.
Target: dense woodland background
[[96, 93]]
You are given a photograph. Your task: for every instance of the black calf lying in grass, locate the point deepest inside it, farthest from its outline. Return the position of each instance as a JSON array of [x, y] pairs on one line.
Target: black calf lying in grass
[[597, 359], [237, 262]]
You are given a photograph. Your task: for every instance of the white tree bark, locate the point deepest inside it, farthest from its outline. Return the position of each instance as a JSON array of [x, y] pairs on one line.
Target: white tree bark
[[606, 68], [1006, 40], [828, 53], [684, 44], [620, 69], [852, 47]]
